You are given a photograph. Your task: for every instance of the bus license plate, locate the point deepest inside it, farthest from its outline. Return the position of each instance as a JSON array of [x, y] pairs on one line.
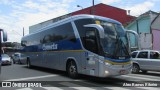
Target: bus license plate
[[122, 71]]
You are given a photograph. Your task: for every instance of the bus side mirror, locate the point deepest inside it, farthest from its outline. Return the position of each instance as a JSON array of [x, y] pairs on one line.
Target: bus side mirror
[[136, 38], [4, 35], [98, 27]]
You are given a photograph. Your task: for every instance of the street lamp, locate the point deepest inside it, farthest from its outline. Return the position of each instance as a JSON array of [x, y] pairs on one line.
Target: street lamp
[[80, 6]]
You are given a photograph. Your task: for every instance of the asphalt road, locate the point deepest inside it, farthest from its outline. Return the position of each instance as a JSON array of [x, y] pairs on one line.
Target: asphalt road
[[58, 80]]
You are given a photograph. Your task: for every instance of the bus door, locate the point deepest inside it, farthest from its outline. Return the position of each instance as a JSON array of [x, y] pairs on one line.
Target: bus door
[[92, 47]]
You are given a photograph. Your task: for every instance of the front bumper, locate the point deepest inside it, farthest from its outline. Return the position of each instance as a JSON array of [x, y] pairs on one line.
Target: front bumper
[[6, 62], [115, 70]]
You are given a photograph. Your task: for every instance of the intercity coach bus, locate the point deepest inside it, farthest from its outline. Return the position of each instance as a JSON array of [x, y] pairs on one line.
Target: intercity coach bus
[[80, 44]]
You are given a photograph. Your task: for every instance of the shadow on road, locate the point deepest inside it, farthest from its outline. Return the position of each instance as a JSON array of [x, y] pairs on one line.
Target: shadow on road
[[109, 81], [150, 73]]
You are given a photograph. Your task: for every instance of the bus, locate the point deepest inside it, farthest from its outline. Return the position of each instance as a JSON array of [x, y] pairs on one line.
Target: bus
[[80, 44], [3, 36]]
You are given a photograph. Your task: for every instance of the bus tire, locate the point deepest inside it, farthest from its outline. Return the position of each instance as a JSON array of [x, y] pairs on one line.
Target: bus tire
[[135, 68], [72, 69], [29, 64]]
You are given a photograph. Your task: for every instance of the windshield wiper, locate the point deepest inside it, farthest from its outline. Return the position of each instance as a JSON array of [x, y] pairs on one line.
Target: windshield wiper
[[125, 47], [119, 42], [116, 48], [108, 55]]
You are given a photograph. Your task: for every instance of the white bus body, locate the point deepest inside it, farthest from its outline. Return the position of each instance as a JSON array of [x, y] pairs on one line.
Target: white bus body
[[81, 44]]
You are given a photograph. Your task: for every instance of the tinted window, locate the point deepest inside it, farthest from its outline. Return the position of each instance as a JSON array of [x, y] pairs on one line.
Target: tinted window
[[154, 55], [143, 55], [134, 54], [62, 32], [91, 41], [81, 29]]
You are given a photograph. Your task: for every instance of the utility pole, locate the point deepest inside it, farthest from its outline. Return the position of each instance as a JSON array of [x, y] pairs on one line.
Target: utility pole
[[137, 26], [23, 31], [0, 44], [93, 9]]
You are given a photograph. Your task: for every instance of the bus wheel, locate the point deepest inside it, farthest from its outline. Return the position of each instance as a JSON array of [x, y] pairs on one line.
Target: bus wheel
[[135, 68], [28, 63], [72, 69]]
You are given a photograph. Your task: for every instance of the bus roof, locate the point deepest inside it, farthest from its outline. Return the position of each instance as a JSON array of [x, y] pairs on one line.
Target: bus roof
[[73, 18]]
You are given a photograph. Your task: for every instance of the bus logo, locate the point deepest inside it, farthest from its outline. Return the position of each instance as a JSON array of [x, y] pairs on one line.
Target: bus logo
[[50, 47]]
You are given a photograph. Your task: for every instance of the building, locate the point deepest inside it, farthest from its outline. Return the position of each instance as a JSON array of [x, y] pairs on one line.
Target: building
[[99, 9], [107, 11], [155, 27], [142, 25]]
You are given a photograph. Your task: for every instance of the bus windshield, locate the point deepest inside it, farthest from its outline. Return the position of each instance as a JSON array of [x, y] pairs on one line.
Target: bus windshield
[[114, 44]]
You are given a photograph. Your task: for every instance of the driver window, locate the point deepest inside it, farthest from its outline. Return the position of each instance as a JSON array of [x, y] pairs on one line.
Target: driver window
[[90, 41]]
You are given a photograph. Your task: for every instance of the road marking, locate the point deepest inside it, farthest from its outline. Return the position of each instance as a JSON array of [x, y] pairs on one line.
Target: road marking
[[51, 88], [25, 89], [148, 88], [116, 88], [75, 86], [83, 81], [29, 78], [147, 76], [141, 78]]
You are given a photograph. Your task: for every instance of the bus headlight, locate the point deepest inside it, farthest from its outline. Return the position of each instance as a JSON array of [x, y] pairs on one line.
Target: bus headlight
[[101, 61], [108, 64], [106, 72], [131, 62]]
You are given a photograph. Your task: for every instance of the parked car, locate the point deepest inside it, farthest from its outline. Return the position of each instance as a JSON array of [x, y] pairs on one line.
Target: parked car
[[145, 60], [19, 58], [6, 60]]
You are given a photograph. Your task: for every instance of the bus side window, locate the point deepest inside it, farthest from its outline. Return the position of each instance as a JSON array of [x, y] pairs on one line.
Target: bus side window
[[90, 41]]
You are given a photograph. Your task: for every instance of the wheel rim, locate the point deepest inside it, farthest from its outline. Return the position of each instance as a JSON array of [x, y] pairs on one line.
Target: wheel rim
[[72, 69], [135, 69]]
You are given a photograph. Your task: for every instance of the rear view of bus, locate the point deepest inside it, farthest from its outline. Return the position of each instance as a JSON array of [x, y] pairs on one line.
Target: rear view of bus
[[81, 44]]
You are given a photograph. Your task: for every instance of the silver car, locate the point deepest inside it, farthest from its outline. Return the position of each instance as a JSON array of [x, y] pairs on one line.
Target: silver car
[[6, 60], [19, 58], [145, 60]]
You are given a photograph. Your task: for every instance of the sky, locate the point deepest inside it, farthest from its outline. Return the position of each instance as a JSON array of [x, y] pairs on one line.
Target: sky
[[18, 14]]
